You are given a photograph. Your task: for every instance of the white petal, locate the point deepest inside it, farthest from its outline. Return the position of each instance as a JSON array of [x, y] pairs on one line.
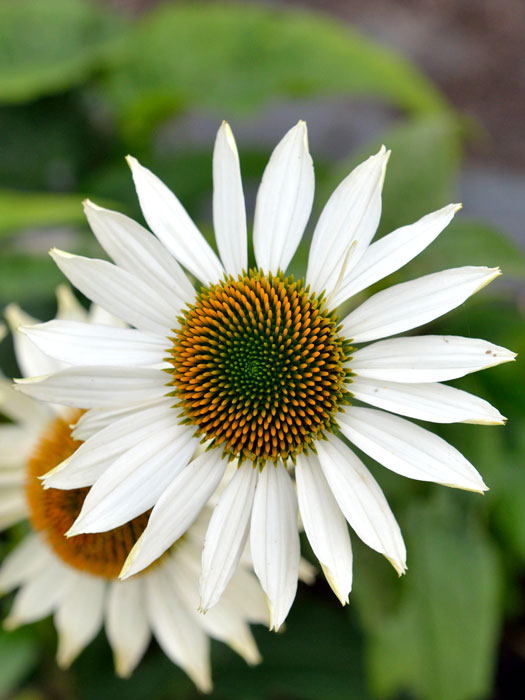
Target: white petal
[[224, 621], [101, 450], [96, 419], [176, 510], [22, 409], [86, 344], [16, 444], [274, 540], [23, 563], [182, 640], [97, 387], [348, 221], [134, 482], [229, 213], [31, 360], [171, 223], [433, 402], [11, 476], [118, 291], [409, 450], [284, 201], [134, 248], [13, 507], [363, 503], [246, 595], [226, 535], [427, 358], [391, 252], [79, 617], [127, 626], [68, 306], [411, 304], [324, 525], [38, 598]]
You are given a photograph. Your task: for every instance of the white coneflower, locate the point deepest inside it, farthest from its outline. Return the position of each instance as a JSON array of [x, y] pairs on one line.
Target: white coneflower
[[259, 365], [76, 579]]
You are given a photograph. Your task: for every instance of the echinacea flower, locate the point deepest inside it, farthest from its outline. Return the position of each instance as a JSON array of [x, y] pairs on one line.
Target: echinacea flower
[[76, 579], [260, 367]]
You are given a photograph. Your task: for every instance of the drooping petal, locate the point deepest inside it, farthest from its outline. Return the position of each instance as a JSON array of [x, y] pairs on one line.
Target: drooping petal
[[176, 510], [96, 387], [100, 451], [79, 616], [392, 252], [409, 450], [31, 360], [284, 201], [362, 501], [226, 535], [274, 540], [137, 251], [13, 507], [40, 596], [118, 291], [23, 563], [410, 304], [127, 626], [182, 640], [347, 223], [96, 419], [427, 358], [16, 444], [223, 622], [68, 306], [229, 213], [22, 409], [324, 525], [87, 344], [134, 482], [172, 225], [433, 402]]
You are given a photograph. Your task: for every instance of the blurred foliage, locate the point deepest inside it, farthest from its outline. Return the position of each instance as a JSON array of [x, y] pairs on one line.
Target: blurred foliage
[[249, 56], [79, 87], [50, 46]]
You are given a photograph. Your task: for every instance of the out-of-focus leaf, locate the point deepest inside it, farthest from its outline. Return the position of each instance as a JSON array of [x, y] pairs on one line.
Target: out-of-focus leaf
[[49, 46], [440, 641], [20, 210], [24, 278], [510, 503], [233, 57], [317, 657], [50, 144], [18, 656]]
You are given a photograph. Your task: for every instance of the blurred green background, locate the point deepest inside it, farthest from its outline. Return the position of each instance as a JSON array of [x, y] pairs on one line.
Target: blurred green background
[[84, 83]]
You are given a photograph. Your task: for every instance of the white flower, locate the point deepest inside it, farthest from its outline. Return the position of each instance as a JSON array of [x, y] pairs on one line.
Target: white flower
[[76, 580], [260, 367]]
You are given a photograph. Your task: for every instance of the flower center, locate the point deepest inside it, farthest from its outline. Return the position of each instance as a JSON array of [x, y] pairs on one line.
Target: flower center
[[53, 511], [258, 366]]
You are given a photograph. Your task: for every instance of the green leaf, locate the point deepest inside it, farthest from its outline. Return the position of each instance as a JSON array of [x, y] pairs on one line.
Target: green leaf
[[49, 46], [19, 210], [18, 656], [440, 641], [232, 58]]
